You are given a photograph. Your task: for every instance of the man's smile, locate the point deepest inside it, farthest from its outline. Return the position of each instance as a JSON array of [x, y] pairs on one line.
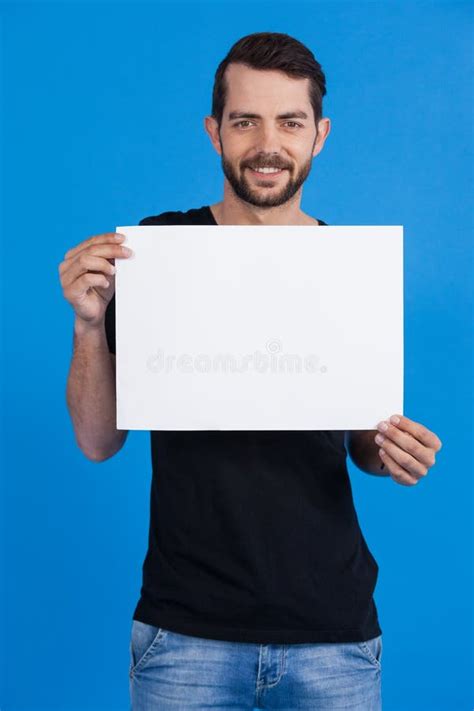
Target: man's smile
[[265, 174]]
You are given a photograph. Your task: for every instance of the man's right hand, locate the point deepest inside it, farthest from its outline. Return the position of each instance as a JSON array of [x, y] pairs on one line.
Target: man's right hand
[[87, 275]]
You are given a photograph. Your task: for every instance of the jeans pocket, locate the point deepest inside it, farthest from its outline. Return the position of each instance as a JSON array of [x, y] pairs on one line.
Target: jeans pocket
[[144, 639], [372, 648]]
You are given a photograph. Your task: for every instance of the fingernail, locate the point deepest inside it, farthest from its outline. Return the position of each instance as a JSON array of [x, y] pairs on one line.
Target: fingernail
[[394, 419], [382, 426]]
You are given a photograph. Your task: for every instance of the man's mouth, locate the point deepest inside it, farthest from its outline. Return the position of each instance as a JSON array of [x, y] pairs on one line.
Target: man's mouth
[[267, 173]]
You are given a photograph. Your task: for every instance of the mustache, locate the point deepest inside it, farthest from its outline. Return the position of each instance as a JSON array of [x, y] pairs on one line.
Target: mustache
[[268, 164]]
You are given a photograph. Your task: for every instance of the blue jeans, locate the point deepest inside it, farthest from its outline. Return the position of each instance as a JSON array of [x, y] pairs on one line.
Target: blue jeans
[[171, 671]]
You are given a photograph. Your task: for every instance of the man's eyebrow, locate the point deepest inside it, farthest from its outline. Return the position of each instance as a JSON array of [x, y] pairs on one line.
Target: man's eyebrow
[[247, 115]]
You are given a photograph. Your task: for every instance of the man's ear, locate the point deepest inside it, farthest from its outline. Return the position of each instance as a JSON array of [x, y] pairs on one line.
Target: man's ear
[[324, 129], [212, 129]]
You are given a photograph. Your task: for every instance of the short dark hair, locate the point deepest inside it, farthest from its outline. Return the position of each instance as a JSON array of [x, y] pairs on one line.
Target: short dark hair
[[271, 50]]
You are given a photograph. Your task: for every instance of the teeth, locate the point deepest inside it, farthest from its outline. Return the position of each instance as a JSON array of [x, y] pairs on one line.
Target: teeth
[[267, 170]]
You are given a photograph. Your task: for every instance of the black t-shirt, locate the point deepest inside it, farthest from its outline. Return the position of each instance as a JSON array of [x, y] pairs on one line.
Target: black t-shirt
[[253, 534]]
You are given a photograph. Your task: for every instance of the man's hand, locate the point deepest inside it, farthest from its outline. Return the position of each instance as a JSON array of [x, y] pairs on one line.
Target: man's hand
[[407, 448], [87, 275]]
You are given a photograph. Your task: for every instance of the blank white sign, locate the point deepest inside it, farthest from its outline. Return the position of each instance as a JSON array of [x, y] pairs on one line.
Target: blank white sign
[[222, 327]]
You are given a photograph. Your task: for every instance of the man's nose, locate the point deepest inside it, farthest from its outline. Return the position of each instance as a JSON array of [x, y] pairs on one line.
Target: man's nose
[[267, 140]]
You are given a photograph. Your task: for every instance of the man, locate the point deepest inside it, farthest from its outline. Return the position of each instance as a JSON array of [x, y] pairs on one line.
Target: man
[[258, 583]]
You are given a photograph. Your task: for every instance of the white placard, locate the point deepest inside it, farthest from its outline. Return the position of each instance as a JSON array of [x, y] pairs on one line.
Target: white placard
[[222, 327]]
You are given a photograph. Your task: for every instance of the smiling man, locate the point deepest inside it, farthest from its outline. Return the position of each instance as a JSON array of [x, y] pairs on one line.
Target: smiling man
[[258, 583], [267, 137]]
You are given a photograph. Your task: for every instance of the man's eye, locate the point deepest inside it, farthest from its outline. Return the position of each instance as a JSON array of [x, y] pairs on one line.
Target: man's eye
[[239, 123]]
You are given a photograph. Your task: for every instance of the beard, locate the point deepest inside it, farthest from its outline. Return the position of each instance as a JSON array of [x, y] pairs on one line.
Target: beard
[[265, 195]]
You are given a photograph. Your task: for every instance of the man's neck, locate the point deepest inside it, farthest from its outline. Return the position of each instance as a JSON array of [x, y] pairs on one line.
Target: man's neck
[[236, 213]]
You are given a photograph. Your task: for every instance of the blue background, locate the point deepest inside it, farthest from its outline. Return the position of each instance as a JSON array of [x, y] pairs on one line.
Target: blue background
[[103, 108]]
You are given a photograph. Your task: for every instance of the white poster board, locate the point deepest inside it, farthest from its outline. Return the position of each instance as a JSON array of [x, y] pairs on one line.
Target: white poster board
[[223, 327]]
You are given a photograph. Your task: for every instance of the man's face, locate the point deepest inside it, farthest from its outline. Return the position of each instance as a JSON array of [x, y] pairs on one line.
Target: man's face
[[267, 132]]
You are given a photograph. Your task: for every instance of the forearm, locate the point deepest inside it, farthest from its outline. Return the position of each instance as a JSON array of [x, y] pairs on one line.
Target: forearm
[[364, 452], [91, 394]]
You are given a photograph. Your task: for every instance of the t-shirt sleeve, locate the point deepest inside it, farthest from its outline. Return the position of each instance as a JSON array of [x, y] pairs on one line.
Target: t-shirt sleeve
[[110, 324]]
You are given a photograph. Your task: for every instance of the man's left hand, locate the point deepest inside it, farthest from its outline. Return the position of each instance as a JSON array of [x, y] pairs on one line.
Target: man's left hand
[[408, 449]]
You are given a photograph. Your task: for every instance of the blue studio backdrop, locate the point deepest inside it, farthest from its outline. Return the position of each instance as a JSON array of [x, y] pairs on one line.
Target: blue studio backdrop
[[102, 124]]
